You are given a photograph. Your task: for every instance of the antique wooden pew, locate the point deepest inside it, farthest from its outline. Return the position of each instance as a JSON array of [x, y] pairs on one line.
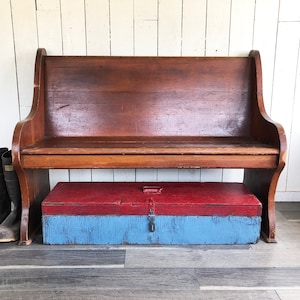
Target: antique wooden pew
[[147, 112]]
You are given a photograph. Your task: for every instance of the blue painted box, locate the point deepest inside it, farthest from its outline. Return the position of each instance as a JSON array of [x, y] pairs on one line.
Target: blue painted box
[[151, 213]]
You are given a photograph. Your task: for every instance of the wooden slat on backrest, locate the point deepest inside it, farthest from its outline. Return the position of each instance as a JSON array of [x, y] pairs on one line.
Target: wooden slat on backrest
[[147, 96]]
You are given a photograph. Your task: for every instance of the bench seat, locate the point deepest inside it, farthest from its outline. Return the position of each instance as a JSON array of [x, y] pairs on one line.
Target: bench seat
[[163, 145], [150, 152]]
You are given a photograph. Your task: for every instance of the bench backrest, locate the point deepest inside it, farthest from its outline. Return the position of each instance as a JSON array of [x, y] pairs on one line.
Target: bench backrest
[[148, 96]]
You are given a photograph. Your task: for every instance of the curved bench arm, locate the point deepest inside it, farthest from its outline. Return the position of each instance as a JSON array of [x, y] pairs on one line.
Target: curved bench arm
[[263, 182], [34, 184], [274, 133]]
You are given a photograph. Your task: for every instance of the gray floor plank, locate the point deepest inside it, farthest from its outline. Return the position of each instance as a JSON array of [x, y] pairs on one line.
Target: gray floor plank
[[62, 257], [106, 279], [159, 278], [182, 257], [260, 278], [142, 294]]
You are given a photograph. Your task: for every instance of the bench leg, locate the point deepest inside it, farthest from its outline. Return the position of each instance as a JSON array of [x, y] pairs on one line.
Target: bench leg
[[34, 186], [262, 183]]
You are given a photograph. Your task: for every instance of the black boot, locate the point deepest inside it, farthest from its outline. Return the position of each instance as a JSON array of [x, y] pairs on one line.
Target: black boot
[[10, 227], [4, 198]]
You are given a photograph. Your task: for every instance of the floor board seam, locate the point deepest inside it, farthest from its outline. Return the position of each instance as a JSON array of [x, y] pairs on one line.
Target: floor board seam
[[30, 267], [247, 288]]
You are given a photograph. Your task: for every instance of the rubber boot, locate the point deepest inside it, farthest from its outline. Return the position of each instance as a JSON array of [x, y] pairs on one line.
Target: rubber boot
[[4, 198], [10, 227]]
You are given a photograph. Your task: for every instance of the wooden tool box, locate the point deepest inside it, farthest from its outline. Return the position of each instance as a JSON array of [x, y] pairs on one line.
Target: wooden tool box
[[151, 213]]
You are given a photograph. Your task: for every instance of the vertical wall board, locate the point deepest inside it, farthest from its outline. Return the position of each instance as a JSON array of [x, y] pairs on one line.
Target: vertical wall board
[[145, 27], [145, 37], [73, 27], [48, 5], [167, 175], [189, 175], [293, 182], [193, 27], [233, 175], [125, 175], [146, 175], [97, 27], [264, 40], [145, 10], [80, 175], [169, 27], [102, 175], [211, 175], [9, 112], [218, 25], [25, 35], [289, 10], [49, 37], [121, 22], [285, 80], [241, 27], [58, 175], [285, 73]]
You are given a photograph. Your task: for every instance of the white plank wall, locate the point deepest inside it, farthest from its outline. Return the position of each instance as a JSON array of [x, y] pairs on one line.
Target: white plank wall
[[264, 39], [145, 27], [9, 111], [121, 26], [97, 27], [193, 28], [169, 27], [50, 36], [156, 27], [25, 41]]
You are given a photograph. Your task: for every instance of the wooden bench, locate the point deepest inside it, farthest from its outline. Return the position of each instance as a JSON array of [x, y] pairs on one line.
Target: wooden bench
[[147, 112]]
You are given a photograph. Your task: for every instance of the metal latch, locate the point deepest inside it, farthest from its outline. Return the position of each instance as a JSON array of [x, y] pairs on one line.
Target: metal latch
[[151, 215], [151, 224], [151, 190]]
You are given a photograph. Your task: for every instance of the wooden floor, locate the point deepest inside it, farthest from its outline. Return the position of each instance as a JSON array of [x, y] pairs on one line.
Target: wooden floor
[[260, 271]]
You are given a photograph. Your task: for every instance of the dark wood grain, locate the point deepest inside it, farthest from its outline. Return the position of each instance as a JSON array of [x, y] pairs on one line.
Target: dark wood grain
[[148, 96]]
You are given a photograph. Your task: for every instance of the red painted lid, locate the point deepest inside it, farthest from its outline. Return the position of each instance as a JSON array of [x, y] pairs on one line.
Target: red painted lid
[[195, 199]]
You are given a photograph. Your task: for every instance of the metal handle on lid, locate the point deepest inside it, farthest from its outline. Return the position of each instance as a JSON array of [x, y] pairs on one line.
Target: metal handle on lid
[[152, 189]]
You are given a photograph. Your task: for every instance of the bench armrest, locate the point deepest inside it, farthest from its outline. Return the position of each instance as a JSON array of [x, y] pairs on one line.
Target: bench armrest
[[32, 128], [264, 129]]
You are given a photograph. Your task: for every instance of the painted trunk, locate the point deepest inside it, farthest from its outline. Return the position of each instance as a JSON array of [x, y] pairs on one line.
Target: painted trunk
[[151, 213]]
